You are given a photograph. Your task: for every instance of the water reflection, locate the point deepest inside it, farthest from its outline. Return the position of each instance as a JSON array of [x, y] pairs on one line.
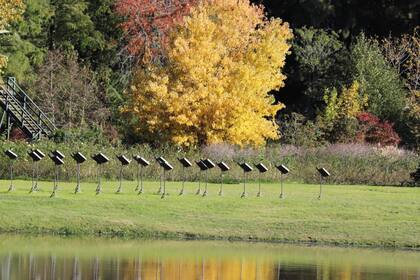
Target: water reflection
[[35, 264]]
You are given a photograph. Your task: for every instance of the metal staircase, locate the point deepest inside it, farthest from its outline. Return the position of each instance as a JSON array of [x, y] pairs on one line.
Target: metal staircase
[[21, 111]]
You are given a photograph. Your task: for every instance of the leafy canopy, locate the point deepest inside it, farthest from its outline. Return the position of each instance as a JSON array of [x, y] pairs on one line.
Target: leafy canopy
[[222, 63], [10, 10], [148, 23], [378, 80], [320, 60], [345, 106]]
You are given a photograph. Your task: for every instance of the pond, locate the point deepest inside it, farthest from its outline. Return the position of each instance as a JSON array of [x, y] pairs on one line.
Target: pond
[[24, 257]]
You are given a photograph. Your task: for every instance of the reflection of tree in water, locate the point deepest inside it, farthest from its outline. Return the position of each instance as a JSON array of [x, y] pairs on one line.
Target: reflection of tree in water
[[77, 268]]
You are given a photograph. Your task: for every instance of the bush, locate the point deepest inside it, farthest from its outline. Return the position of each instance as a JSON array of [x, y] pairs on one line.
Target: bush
[[339, 120], [374, 131], [297, 130], [415, 177]]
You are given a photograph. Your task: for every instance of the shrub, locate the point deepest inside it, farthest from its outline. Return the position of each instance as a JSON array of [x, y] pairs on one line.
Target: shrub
[[412, 120], [339, 117], [297, 130], [374, 131], [415, 177]]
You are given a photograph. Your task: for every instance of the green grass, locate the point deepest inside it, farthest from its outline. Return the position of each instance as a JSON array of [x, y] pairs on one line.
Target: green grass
[[347, 215]]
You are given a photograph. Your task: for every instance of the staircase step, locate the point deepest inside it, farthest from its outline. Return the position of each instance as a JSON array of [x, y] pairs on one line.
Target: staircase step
[[27, 116]]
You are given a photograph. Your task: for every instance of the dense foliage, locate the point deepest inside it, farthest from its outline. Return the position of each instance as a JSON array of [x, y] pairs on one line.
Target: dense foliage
[[10, 10], [147, 26], [71, 52], [214, 87]]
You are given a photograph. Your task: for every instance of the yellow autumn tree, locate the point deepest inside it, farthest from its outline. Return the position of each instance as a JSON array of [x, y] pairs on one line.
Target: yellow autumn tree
[[10, 10], [221, 64], [346, 106]]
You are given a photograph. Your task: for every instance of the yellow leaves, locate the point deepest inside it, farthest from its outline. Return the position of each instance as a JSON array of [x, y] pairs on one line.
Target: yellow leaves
[[215, 85], [350, 103], [347, 105], [3, 63], [10, 10]]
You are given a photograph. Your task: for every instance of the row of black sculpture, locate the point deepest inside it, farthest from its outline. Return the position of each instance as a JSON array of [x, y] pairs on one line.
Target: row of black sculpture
[[203, 164]]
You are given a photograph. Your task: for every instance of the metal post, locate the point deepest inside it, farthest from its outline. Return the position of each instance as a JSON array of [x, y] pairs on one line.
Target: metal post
[[55, 183], [199, 184], [183, 181], [140, 175], [259, 185], [221, 184], [164, 184], [281, 185], [138, 179], [99, 187], [9, 127], [119, 190], [141, 180], [320, 188], [3, 116], [244, 192], [37, 176], [33, 178], [207, 179], [160, 182], [11, 187], [77, 190]]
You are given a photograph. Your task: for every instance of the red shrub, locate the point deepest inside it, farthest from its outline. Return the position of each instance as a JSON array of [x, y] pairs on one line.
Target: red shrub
[[375, 131], [17, 134]]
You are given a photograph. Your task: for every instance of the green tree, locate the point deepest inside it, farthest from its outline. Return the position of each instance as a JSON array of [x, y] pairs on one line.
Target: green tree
[[319, 56], [73, 29], [27, 45], [378, 80]]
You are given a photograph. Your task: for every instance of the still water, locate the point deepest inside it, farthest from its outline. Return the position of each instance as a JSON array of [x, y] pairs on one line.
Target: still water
[[59, 258]]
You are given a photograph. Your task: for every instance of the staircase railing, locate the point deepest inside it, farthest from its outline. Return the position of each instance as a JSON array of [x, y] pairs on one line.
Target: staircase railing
[[29, 105], [12, 106]]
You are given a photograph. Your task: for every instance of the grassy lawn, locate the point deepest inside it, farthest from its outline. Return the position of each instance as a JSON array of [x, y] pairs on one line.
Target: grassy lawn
[[347, 215]]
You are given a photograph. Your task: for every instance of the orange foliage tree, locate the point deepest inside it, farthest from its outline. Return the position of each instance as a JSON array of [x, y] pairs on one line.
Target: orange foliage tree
[[148, 22]]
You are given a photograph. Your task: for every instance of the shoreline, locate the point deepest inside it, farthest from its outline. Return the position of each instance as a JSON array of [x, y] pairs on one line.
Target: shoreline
[[173, 236]]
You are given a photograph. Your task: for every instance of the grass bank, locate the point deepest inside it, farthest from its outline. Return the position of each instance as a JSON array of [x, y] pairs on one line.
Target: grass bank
[[347, 215]]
